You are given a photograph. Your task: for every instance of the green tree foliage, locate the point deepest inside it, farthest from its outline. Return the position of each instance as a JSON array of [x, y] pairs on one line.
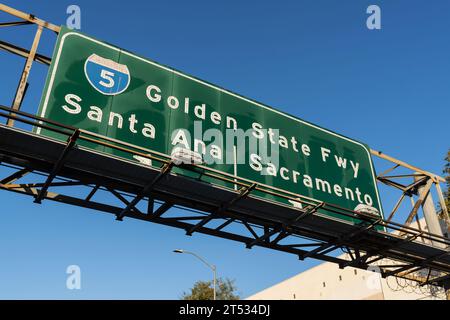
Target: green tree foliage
[[203, 290]]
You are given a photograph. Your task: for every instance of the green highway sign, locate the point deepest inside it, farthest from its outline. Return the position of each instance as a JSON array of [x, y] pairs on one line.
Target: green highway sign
[[106, 90]]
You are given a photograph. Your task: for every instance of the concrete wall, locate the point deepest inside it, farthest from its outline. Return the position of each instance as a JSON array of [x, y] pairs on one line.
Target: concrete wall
[[327, 281]]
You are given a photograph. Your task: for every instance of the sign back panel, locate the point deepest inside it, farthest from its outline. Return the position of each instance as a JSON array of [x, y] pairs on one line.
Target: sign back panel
[[109, 91]]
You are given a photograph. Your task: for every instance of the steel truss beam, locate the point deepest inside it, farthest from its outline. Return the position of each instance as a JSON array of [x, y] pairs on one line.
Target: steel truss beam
[[14, 23], [156, 217], [288, 231], [323, 244], [284, 231]]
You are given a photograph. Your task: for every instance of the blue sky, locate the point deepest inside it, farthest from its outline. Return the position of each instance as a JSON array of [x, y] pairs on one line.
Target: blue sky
[[314, 59]]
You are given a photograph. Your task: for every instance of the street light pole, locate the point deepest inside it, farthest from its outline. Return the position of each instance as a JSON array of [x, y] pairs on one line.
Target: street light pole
[[211, 266], [215, 277]]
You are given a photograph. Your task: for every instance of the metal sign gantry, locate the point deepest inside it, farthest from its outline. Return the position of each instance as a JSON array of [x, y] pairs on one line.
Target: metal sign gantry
[[237, 215]]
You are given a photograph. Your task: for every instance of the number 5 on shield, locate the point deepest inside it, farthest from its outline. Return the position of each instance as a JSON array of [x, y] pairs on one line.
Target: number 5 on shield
[[107, 75]]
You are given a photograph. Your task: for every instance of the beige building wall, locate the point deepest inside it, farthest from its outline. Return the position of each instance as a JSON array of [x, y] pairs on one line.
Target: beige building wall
[[327, 281]]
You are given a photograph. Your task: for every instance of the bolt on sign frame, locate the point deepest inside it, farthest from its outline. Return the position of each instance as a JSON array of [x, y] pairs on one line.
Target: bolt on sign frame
[[148, 193]]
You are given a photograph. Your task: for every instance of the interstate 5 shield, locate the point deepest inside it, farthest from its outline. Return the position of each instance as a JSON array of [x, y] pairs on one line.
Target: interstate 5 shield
[[106, 76]]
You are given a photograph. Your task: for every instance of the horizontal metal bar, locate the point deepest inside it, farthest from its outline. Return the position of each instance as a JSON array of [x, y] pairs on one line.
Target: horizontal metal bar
[[24, 52], [29, 17], [14, 23], [391, 265], [404, 176], [380, 154], [15, 176], [393, 184], [388, 170], [185, 218], [41, 184], [300, 245]]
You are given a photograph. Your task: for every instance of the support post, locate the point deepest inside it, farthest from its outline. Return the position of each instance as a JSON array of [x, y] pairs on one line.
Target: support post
[[429, 212], [443, 206], [24, 78], [423, 193]]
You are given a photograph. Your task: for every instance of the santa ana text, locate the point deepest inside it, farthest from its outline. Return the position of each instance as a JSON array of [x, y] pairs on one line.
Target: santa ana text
[[218, 149]]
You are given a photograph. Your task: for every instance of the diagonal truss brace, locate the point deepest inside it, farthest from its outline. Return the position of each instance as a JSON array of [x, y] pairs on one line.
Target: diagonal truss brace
[[132, 205], [15, 176], [419, 265], [333, 245], [58, 165], [367, 255], [245, 191], [283, 229]]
